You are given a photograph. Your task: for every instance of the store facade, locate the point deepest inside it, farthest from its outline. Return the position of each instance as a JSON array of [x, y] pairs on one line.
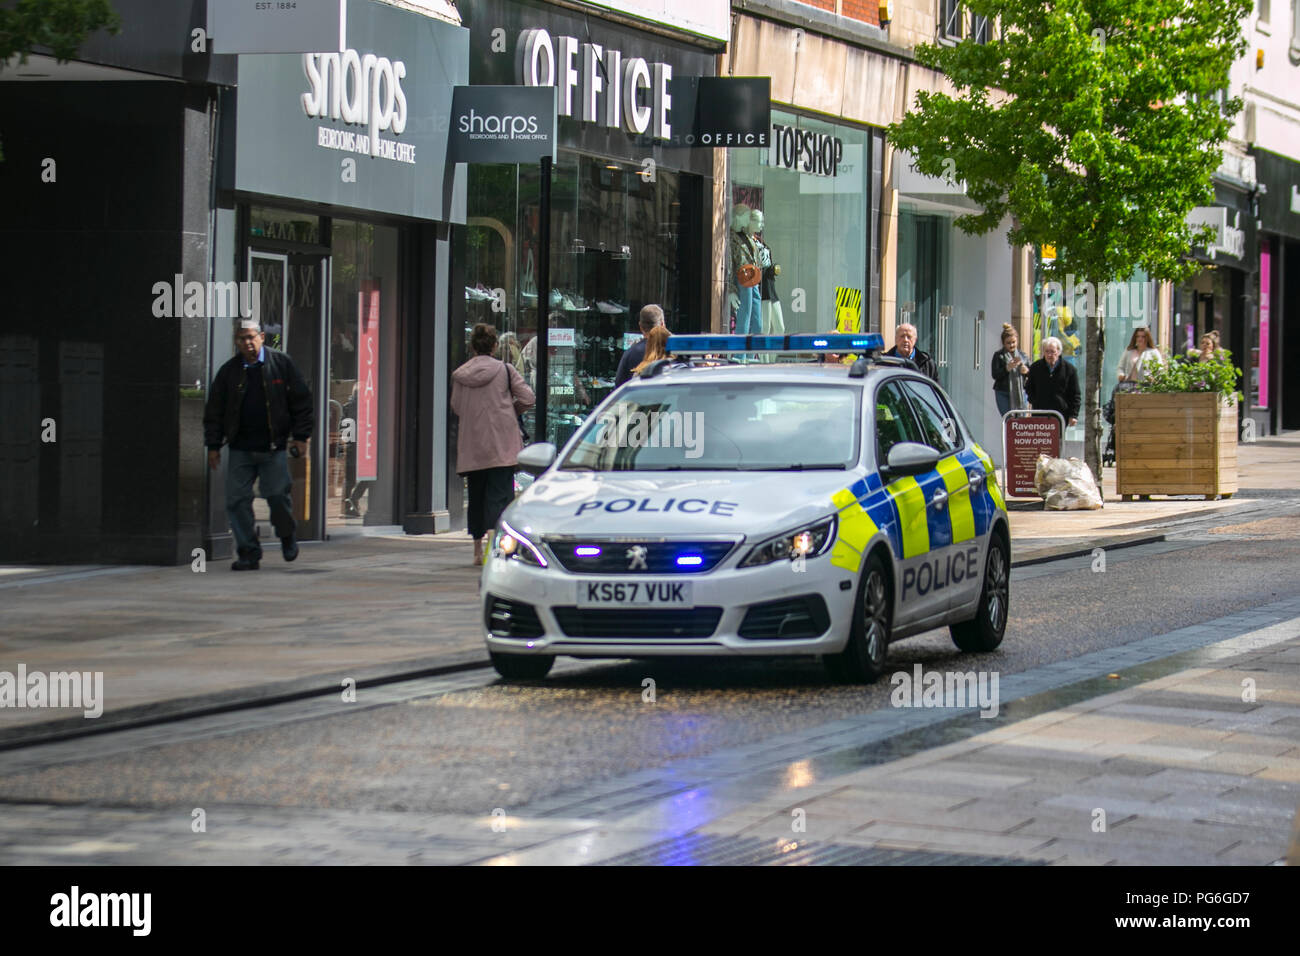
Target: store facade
[[630, 223], [1223, 296], [105, 186], [337, 204], [816, 185], [1276, 343]]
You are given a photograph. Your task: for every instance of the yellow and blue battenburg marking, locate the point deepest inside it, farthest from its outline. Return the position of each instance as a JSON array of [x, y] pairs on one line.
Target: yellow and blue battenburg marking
[[904, 509]]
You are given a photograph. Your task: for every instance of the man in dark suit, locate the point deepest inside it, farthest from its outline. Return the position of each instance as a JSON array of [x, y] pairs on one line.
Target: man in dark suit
[[905, 347], [1054, 384]]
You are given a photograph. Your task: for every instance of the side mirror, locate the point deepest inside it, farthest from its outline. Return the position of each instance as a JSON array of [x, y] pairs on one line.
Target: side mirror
[[535, 459], [912, 458]]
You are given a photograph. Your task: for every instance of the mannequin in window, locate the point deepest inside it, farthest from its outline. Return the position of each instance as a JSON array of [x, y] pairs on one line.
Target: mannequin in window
[[773, 319], [744, 252]]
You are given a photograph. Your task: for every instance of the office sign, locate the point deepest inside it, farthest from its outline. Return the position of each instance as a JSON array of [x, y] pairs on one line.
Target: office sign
[[277, 26], [502, 124], [721, 111]]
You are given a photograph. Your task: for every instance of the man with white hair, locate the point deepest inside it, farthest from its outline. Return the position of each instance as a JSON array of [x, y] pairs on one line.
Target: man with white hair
[[905, 347], [1054, 383], [259, 405]]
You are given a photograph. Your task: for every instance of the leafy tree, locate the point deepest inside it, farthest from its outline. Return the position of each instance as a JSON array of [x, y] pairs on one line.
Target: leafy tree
[[58, 25], [1095, 126]]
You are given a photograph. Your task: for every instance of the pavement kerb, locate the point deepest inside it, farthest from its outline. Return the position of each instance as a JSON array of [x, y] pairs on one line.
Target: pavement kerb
[[236, 698], [1082, 546]]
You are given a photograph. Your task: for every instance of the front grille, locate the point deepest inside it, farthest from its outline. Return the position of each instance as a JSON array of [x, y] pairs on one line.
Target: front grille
[[504, 618], [675, 623], [660, 556], [788, 619]]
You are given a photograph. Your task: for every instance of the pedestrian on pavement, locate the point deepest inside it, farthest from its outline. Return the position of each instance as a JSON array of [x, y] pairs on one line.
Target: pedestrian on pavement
[[1141, 349], [488, 396], [651, 317], [1010, 366], [259, 405], [1208, 348], [905, 347], [656, 347], [1053, 383]]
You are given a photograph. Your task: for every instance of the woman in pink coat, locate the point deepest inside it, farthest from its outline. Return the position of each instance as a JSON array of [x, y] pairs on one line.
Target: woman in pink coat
[[487, 395]]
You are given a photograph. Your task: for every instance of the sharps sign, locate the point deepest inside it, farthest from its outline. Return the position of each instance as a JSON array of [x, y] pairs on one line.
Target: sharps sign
[[502, 124]]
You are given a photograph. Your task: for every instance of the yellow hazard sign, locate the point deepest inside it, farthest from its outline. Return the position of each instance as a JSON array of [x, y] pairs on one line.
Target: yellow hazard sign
[[848, 309]]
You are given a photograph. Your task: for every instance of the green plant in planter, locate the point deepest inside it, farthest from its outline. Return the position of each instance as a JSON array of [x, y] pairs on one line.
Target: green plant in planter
[[1216, 375]]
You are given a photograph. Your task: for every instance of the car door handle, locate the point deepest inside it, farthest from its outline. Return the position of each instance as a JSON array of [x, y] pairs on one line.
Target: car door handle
[[940, 499], [976, 479]]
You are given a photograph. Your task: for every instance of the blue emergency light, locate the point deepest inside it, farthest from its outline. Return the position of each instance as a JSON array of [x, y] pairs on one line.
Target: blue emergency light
[[836, 342]]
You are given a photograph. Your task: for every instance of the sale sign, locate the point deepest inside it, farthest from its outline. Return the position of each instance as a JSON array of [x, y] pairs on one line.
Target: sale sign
[[1027, 437], [368, 380]]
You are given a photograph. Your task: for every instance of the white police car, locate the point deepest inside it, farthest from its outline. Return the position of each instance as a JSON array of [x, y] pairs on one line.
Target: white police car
[[753, 509]]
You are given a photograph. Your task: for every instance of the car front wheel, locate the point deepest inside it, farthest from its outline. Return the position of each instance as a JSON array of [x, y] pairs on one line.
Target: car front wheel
[[522, 666], [863, 659], [983, 632]]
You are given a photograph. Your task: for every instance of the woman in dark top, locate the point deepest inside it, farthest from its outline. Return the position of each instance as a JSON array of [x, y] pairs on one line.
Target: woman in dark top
[[1009, 366]]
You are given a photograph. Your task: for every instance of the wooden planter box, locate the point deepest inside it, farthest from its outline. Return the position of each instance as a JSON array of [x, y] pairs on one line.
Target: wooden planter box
[[1175, 443]]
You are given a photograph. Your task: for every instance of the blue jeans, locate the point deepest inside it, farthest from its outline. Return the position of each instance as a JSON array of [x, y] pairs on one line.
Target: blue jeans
[[749, 315], [271, 470], [1004, 402]]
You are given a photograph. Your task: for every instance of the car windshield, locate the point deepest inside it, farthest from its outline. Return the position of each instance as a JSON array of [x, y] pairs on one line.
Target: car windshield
[[728, 426]]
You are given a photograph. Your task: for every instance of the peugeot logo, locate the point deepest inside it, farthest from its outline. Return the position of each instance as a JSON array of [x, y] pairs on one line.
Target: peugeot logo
[[636, 558]]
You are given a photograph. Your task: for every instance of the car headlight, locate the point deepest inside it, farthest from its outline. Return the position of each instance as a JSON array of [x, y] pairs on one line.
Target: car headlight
[[806, 542], [513, 546]]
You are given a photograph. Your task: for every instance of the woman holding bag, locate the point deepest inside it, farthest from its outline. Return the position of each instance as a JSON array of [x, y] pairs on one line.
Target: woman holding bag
[[1009, 366], [488, 395]]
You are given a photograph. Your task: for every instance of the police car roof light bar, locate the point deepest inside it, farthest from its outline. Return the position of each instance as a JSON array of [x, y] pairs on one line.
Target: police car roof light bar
[[807, 342]]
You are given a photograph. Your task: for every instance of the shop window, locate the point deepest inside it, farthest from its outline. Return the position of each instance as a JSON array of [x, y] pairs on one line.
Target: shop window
[[811, 190], [620, 240], [362, 359]]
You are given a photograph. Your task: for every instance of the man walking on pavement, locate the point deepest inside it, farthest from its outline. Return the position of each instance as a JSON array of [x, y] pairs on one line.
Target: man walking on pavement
[[1054, 384], [905, 347], [257, 403], [651, 316]]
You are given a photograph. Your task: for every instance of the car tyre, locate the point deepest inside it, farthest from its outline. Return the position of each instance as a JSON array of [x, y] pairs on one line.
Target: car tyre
[[522, 666], [983, 632], [863, 659]]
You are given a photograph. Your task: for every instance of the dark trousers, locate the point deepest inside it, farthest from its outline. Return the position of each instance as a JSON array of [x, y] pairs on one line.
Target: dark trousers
[[490, 490], [271, 470]]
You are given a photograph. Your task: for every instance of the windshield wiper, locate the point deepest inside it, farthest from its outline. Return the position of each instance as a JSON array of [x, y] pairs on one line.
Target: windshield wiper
[[840, 466]]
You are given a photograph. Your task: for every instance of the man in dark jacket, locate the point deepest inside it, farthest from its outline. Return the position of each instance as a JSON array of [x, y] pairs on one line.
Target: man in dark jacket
[[1054, 383], [651, 316], [258, 401], [905, 347]]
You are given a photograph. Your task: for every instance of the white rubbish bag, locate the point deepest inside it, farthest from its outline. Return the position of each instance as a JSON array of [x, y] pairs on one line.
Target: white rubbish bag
[[1066, 484]]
